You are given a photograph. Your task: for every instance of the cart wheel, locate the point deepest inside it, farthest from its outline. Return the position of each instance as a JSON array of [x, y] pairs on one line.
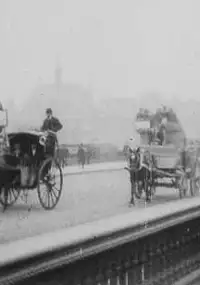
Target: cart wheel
[[8, 196], [50, 182]]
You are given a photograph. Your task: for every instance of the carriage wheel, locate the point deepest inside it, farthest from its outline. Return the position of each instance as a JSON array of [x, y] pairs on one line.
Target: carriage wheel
[[8, 196], [50, 182]]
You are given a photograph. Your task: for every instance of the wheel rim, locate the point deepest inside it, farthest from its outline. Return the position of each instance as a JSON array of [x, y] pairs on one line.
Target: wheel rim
[[8, 196], [50, 184]]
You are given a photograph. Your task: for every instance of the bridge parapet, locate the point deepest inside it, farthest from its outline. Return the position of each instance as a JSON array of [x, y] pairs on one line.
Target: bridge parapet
[[122, 247]]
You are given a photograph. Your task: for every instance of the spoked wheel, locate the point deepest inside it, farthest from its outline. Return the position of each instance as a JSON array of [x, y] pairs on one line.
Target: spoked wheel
[[50, 182], [8, 196]]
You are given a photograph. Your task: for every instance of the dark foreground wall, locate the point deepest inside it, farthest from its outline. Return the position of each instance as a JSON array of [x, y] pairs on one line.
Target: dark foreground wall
[[160, 247], [162, 258]]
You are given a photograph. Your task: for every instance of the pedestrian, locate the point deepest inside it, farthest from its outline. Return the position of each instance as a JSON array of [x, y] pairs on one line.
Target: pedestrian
[[89, 154], [81, 155], [67, 157]]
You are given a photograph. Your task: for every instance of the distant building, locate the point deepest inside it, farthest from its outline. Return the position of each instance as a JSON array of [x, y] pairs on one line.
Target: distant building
[[110, 121], [71, 103]]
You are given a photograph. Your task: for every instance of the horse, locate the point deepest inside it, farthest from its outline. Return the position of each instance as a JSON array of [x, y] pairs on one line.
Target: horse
[[141, 177]]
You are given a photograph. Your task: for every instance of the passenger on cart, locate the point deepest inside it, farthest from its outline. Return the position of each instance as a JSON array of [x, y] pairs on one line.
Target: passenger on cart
[[160, 136], [23, 163]]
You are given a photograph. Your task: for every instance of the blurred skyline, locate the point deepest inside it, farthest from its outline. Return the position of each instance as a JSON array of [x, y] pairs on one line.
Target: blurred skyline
[[117, 48]]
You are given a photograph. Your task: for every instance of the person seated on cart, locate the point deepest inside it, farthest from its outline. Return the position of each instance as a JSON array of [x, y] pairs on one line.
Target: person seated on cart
[[160, 136], [24, 163], [161, 132], [51, 123]]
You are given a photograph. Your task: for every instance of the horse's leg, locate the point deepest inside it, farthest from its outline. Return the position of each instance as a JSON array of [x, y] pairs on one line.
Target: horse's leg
[[147, 187], [132, 200], [133, 186], [153, 184]]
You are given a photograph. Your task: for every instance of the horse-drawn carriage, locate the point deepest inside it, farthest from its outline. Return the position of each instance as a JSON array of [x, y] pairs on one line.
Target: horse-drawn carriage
[[162, 158], [28, 162]]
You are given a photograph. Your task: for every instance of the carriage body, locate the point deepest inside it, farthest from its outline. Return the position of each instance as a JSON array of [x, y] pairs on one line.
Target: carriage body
[[28, 164], [29, 149], [166, 158]]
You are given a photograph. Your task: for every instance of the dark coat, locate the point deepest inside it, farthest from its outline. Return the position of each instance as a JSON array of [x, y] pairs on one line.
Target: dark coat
[[81, 155], [52, 124]]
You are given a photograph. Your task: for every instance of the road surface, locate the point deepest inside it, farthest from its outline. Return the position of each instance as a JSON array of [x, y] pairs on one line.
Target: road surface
[[85, 198]]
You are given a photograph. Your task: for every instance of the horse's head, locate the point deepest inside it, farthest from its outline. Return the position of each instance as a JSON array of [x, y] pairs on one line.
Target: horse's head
[[134, 158], [43, 139]]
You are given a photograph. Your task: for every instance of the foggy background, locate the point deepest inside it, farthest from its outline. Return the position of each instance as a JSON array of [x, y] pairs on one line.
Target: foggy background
[[95, 62]]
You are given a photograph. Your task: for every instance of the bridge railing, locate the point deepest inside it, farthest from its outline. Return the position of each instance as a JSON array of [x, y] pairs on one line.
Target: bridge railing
[[132, 247]]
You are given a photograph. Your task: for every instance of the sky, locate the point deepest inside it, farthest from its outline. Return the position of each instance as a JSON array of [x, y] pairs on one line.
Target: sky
[[121, 48]]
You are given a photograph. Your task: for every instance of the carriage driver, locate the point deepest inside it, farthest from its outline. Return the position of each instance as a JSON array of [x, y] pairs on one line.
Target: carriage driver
[[51, 123]]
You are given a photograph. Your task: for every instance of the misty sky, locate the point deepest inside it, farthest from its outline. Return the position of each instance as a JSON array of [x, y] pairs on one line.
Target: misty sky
[[119, 47]]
